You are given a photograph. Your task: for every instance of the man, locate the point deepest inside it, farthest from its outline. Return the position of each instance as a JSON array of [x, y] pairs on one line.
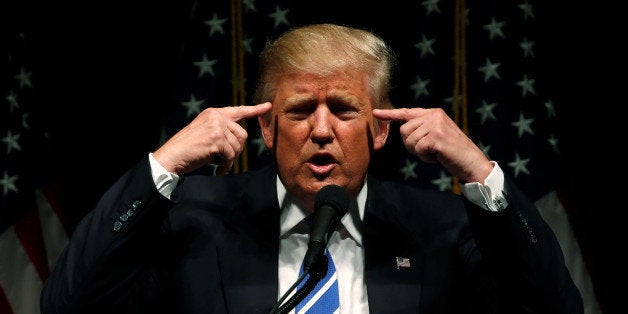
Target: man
[[163, 240]]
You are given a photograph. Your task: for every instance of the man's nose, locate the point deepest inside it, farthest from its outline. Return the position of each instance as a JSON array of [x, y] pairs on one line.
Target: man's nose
[[322, 125]]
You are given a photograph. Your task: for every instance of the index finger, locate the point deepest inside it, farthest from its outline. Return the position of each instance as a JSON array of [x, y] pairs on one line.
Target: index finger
[[400, 114], [244, 112]]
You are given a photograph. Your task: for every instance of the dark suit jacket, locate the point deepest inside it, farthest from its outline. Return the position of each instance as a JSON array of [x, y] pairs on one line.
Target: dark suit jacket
[[214, 249]]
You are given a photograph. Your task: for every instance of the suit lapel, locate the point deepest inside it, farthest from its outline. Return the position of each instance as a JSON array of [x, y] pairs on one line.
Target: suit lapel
[[394, 261], [249, 266]]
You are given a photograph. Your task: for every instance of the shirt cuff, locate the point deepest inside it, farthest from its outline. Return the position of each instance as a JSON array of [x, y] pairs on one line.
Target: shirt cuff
[[165, 181], [489, 195]]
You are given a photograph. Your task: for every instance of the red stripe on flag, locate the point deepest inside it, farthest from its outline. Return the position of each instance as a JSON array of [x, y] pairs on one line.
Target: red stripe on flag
[[5, 307], [28, 230]]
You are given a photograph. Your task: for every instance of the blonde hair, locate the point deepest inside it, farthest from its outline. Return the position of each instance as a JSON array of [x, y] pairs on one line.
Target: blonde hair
[[324, 49]]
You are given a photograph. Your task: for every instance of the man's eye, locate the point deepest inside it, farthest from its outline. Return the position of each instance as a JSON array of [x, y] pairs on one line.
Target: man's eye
[[299, 112], [344, 111]]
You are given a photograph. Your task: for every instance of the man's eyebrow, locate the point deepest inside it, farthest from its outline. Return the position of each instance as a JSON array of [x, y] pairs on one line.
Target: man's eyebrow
[[343, 97], [299, 98]]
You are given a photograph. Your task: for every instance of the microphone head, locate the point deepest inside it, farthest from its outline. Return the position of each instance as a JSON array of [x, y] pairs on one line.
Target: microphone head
[[334, 196], [331, 203]]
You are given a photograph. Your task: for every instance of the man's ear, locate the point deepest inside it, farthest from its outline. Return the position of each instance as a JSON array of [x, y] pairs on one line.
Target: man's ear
[[381, 134], [267, 129]]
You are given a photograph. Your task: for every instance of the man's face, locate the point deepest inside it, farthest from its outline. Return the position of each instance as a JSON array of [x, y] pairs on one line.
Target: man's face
[[322, 132]]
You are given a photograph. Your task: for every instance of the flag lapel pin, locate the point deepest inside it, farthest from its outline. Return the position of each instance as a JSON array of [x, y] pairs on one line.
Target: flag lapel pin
[[402, 262]]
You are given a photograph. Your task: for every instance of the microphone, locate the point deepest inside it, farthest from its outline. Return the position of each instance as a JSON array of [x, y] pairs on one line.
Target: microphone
[[331, 203]]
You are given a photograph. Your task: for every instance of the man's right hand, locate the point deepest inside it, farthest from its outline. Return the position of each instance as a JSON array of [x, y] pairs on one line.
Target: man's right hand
[[214, 136]]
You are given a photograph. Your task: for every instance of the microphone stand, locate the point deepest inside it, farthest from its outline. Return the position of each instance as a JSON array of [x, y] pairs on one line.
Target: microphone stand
[[317, 272]]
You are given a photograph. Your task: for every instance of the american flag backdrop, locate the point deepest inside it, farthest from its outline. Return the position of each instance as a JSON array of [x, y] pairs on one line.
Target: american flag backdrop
[[483, 63], [33, 229]]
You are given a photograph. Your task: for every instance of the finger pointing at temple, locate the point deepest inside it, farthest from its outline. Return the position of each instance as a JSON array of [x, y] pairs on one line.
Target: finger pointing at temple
[[401, 114], [238, 113]]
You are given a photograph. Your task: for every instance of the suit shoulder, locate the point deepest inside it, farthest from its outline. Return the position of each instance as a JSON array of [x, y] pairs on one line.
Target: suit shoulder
[[412, 203], [224, 189], [410, 194]]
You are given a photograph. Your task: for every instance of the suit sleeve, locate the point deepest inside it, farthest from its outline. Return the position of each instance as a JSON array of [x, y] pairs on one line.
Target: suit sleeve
[[113, 258], [526, 257]]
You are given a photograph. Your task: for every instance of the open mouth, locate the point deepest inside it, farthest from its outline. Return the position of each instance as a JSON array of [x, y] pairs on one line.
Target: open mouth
[[322, 160], [322, 164]]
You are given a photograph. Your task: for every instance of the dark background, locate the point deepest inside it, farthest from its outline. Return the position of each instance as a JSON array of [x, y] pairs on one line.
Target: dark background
[[105, 72]]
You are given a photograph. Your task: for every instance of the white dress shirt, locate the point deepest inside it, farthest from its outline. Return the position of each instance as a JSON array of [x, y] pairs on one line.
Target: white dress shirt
[[345, 244]]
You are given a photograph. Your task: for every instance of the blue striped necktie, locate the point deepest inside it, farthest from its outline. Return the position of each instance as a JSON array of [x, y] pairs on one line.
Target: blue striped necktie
[[324, 297]]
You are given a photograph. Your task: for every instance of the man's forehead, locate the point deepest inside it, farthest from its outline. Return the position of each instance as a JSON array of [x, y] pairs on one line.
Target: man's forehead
[[308, 95]]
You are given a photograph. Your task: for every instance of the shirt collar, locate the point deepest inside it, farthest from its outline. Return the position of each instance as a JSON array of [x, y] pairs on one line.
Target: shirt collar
[[293, 213]]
